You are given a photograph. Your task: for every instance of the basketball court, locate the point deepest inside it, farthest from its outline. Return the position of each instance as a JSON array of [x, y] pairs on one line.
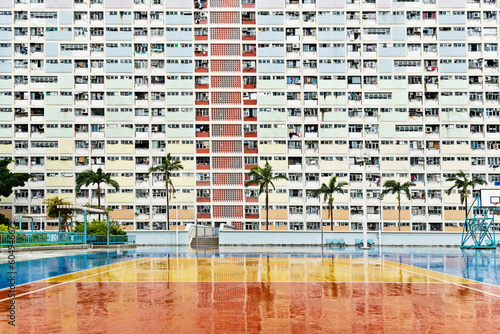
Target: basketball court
[[251, 293]]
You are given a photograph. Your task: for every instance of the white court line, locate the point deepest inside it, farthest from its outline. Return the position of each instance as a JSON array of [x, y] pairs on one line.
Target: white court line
[[445, 281], [62, 283]]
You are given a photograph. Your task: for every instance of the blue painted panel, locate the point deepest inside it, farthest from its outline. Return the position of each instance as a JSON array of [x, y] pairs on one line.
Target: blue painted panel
[[59, 68], [179, 68], [6, 35], [51, 49], [385, 65], [65, 17], [391, 19], [179, 36], [6, 66], [6, 19], [392, 52], [398, 33], [270, 36], [117, 19], [179, 52], [6, 51], [271, 68], [452, 35], [331, 52], [58, 35], [452, 51], [453, 68], [452, 19], [331, 68], [331, 19], [178, 19], [271, 52], [118, 35], [119, 68], [270, 19], [119, 52]]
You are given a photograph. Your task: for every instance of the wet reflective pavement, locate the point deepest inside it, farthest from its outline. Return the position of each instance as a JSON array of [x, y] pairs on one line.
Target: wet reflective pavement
[[255, 291]]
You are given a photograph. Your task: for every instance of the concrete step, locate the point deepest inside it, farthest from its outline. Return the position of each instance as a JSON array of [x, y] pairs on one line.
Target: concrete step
[[205, 241]]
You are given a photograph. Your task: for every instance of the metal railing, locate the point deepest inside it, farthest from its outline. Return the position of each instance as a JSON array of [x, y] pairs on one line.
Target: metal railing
[[26, 238], [113, 239]]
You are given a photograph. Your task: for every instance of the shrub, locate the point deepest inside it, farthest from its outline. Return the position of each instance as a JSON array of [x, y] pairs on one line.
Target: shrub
[[99, 227]]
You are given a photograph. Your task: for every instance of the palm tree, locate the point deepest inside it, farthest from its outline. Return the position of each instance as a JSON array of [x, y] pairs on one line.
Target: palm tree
[[89, 177], [394, 187], [328, 190], [167, 166], [263, 177], [462, 183]]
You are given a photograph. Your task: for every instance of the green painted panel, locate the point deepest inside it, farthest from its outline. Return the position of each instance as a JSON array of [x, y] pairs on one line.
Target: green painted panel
[[5, 100], [271, 84], [387, 130], [66, 116], [333, 133], [59, 100], [272, 100], [179, 84], [180, 116], [6, 116], [394, 117], [119, 100], [5, 133], [335, 116], [6, 84], [272, 133], [120, 116], [454, 116], [332, 84], [180, 133], [180, 100], [52, 114], [119, 132], [272, 116], [59, 133], [65, 81], [119, 84]]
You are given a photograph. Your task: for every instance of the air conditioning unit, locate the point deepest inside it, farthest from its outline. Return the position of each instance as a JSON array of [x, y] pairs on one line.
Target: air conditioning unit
[[315, 96], [428, 129], [296, 46], [162, 150], [476, 15]]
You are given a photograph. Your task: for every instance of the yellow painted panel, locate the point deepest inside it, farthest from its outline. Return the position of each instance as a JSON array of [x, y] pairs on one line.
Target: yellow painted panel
[[120, 198], [124, 181], [180, 148], [276, 164], [122, 214], [59, 181], [7, 199], [393, 214], [59, 165], [275, 214], [272, 149], [274, 198], [277, 228], [184, 197], [6, 213], [120, 165], [66, 197], [337, 214], [188, 164], [6, 149], [120, 149], [183, 181], [182, 214], [334, 149], [214, 269], [454, 215]]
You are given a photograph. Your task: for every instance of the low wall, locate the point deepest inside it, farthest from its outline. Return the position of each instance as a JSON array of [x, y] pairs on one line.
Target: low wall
[[159, 237], [314, 238]]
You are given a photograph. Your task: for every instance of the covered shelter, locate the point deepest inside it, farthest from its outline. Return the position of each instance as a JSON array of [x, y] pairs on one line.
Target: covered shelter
[[86, 211]]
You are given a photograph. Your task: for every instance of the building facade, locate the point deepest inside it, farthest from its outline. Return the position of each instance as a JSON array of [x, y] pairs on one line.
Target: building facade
[[368, 90]]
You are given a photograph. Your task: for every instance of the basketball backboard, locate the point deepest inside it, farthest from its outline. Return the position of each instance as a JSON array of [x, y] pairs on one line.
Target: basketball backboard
[[490, 197]]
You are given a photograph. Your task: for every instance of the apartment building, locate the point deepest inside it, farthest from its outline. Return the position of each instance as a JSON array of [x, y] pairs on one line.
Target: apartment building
[[368, 90]]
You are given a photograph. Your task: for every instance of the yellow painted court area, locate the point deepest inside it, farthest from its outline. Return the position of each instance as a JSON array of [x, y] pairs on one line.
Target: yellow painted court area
[[263, 269]]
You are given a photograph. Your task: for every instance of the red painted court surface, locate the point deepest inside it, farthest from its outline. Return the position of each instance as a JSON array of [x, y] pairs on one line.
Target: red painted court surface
[[255, 295]]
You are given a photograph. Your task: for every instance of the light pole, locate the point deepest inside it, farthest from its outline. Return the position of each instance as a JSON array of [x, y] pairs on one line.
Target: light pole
[[365, 209], [176, 224]]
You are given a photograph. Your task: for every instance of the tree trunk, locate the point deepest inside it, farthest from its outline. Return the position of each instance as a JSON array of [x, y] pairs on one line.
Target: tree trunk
[[99, 199], [267, 207], [399, 215], [168, 205], [465, 222], [331, 217]]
